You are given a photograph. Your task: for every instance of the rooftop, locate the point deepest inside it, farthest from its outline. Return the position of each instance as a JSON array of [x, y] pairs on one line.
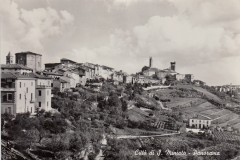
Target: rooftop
[[201, 117], [11, 75], [65, 59], [106, 67], [52, 73], [39, 76], [15, 66], [28, 52]]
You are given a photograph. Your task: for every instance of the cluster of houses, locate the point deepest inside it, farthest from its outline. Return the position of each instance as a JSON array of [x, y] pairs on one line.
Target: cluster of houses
[[26, 86], [228, 88], [23, 89], [150, 74]]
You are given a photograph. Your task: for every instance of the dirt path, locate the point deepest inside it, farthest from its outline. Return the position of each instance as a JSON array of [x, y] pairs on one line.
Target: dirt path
[[133, 136]]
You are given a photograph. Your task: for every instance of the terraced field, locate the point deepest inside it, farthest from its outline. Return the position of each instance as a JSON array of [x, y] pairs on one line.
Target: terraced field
[[220, 117], [226, 136]]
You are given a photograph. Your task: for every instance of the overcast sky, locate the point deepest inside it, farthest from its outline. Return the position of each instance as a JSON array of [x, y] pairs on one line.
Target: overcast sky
[[202, 36]]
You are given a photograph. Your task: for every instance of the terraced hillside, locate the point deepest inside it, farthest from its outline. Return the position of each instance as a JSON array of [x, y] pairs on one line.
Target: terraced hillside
[[192, 100]]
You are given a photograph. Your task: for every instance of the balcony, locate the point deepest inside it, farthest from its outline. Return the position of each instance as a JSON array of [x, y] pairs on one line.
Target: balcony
[[43, 87]]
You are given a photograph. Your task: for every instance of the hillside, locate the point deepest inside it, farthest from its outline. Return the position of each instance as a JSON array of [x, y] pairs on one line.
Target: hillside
[[129, 116]]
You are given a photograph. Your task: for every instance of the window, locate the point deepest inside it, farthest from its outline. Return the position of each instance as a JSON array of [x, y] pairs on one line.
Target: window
[[192, 120], [27, 89], [47, 92], [20, 84], [9, 97], [40, 93], [47, 103], [207, 122], [39, 104], [31, 96], [20, 96], [31, 83], [31, 109]]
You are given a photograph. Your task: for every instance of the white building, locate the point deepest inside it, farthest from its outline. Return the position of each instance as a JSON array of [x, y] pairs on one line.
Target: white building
[[200, 121], [43, 92], [17, 93]]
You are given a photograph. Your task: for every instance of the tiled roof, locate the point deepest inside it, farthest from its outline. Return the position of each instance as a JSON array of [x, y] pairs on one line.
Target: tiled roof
[[14, 66], [52, 73], [39, 76], [8, 75], [16, 75]]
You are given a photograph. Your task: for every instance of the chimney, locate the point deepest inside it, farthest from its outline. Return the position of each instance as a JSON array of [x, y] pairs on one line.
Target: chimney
[[150, 62], [173, 66]]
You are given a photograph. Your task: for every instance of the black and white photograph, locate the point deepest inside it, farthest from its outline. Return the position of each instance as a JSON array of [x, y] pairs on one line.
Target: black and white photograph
[[120, 79]]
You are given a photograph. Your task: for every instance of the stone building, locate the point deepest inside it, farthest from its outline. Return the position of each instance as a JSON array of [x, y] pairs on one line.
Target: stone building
[[29, 59]]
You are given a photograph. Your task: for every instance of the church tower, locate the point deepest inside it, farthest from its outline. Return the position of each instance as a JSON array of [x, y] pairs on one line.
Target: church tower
[[150, 62], [9, 58]]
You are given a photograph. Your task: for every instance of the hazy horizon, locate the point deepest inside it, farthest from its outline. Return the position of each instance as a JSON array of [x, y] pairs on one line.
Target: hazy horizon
[[203, 37]]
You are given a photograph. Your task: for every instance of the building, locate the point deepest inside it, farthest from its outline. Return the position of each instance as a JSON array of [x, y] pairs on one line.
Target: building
[[200, 121], [17, 93], [105, 72], [15, 68], [73, 77], [180, 77], [150, 72], [29, 59], [117, 76], [9, 58], [67, 62], [189, 77], [50, 67], [62, 83], [43, 91], [127, 79], [53, 75], [199, 83]]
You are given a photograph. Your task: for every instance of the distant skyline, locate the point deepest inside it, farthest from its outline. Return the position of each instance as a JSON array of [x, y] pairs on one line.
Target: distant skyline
[[202, 36]]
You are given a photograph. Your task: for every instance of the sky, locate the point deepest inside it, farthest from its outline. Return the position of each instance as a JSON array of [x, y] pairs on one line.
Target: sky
[[202, 36]]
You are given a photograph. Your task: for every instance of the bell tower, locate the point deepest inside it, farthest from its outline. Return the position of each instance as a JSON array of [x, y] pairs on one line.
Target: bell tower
[[150, 62], [9, 58]]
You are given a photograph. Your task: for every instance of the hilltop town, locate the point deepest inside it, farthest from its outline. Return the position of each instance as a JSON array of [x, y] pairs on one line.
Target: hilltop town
[[81, 110]]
